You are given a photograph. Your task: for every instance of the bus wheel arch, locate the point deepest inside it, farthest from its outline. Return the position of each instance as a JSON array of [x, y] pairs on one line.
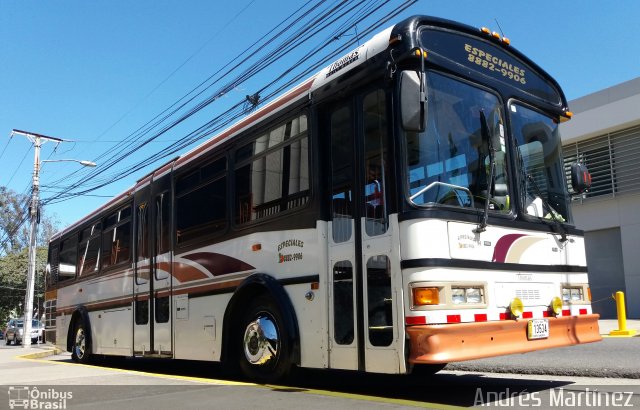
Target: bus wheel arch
[[79, 336], [261, 295]]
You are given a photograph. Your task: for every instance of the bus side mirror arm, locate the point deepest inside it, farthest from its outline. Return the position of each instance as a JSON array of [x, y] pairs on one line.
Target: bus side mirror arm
[[413, 107]]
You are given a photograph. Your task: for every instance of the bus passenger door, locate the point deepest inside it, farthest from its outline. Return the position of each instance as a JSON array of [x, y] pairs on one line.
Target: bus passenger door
[[152, 287], [142, 285], [343, 264], [363, 331], [382, 342]]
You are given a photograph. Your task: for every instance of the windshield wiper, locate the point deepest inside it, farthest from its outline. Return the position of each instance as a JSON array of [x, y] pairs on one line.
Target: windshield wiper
[[552, 212], [482, 226]]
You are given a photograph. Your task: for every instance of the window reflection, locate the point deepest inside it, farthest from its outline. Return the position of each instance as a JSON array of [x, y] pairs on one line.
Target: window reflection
[[541, 172], [449, 163]]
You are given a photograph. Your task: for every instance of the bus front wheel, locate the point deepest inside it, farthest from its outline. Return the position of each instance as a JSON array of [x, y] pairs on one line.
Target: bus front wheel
[[265, 349], [80, 350]]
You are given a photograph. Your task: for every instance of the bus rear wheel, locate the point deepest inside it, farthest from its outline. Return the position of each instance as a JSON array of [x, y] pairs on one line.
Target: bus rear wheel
[[264, 353], [80, 350]]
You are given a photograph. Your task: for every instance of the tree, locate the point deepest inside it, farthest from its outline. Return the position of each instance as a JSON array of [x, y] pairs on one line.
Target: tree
[[14, 222], [14, 234], [14, 244], [13, 283]]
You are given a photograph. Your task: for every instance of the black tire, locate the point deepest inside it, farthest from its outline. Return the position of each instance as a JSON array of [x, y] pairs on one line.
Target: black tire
[[80, 345], [262, 343], [7, 341]]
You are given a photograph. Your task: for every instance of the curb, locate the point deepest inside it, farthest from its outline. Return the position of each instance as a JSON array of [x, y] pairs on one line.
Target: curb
[[39, 355]]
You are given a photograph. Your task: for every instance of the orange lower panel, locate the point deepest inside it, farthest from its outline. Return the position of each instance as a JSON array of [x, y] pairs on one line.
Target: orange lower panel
[[468, 341]]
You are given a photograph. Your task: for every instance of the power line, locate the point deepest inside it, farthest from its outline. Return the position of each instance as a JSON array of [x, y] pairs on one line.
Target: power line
[[19, 165], [6, 145], [125, 145], [235, 111], [185, 62], [172, 109], [260, 65], [130, 170]]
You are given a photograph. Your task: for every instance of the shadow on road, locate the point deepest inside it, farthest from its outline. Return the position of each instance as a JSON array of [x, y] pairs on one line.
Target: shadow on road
[[443, 388]]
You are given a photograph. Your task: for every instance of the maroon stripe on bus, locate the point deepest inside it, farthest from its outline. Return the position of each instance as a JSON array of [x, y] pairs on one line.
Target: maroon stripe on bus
[[218, 264]]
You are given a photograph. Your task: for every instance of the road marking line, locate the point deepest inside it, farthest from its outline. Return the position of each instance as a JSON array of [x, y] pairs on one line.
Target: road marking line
[[39, 355], [328, 393], [142, 373]]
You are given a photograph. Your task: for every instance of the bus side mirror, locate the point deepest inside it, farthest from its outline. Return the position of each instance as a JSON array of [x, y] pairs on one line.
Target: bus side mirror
[[580, 177], [412, 101]]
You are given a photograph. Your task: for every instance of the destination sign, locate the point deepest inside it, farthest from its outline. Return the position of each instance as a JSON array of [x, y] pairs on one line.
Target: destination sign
[[481, 56]]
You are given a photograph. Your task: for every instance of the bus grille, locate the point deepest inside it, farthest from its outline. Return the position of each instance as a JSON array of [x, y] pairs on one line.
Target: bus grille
[[528, 294]]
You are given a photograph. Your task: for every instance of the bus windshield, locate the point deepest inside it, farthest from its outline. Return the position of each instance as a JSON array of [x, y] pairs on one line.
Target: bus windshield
[[449, 163], [541, 172]]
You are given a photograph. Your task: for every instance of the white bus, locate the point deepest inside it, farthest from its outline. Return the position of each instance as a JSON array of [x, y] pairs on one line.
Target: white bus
[[404, 208]]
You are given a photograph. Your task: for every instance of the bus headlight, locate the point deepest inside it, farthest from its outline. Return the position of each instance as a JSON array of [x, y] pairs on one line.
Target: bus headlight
[[556, 305], [457, 296], [516, 307], [573, 293], [468, 295], [473, 295]]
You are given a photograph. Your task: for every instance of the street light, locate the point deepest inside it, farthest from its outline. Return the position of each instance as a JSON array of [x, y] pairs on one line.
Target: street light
[[81, 162], [37, 140]]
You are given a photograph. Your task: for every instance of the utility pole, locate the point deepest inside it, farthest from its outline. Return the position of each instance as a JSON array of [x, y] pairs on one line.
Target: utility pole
[[37, 140], [34, 214]]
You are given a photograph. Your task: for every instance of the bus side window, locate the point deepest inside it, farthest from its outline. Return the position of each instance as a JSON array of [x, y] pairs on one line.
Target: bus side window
[[272, 172], [200, 203], [67, 267], [375, 154], [116, 239], [142, 244], [53, 265], [343, 326], [142, 311], [341, 174], [379, 301], [89, 256]]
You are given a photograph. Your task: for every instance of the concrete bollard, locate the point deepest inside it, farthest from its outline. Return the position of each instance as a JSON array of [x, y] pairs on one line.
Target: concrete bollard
[[622, 318]]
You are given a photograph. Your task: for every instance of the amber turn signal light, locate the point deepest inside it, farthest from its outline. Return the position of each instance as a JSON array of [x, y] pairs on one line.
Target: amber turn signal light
[[426, 296]]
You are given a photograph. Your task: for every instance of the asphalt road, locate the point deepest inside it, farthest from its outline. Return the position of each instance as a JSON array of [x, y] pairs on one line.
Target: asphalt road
[[612, 357], [159, 384], [153, 384]]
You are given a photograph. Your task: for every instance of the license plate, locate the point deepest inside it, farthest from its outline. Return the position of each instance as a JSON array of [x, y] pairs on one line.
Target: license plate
[[538, 329]]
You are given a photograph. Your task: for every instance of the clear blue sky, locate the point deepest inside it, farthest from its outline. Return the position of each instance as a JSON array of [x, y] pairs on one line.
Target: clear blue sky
[[95, 71]]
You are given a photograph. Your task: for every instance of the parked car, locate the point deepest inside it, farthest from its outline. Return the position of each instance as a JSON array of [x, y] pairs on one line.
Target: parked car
[[15, 331]]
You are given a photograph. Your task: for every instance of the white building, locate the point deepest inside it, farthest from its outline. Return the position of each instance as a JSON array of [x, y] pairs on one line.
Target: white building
[[605, 134]]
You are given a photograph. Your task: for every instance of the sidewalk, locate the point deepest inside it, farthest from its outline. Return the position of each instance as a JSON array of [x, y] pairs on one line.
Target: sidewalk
[[607, 325]]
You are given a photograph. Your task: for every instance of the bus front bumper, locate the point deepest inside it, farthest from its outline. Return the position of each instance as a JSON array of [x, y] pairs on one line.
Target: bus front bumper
[[469, 341]]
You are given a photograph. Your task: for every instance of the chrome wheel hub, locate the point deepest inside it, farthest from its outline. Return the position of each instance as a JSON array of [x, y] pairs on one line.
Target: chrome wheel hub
[[260, 343]]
